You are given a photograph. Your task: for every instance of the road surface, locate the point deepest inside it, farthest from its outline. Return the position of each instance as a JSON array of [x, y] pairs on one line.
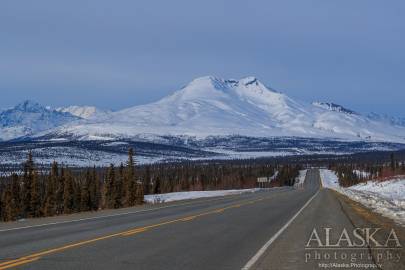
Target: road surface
[[263, 230]]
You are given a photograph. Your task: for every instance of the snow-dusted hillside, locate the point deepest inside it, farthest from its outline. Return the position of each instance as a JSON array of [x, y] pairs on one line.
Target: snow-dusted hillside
[[213, 106], [85, 112], [29, 118]]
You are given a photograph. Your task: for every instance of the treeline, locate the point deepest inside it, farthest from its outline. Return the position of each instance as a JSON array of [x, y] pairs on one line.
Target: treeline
[[63, 190], [189, 176], [353, 173]]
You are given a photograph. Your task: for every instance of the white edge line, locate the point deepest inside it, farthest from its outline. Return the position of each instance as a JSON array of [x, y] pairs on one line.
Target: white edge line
[[263, 249], [112, 215]]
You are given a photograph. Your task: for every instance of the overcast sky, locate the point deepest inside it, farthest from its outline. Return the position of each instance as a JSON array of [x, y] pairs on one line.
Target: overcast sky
[[115, 54]]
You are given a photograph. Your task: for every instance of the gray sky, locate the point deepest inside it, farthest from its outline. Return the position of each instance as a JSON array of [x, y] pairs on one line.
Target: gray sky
[[115, 54]]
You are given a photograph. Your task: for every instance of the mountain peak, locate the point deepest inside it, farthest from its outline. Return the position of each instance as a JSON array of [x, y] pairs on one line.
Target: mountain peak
[[29, 106], [208, 81], [223, 84], [30, 117], [250, 80]]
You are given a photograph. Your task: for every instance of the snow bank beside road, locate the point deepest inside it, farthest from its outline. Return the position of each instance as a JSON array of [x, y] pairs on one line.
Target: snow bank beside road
[[299, 181], [188, 195], [386, 198], [329, 179]]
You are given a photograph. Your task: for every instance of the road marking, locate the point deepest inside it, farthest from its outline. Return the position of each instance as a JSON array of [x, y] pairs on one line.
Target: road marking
[[135, 231], [19, 263], [189, 218], [112, 215], [36, 256], [263, 249]]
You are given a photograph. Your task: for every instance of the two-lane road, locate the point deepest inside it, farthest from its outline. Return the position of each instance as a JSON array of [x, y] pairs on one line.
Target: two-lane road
[[263, 230], [219, 233]]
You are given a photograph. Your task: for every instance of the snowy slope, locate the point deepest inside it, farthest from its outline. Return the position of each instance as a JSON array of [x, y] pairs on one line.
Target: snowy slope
[[85, 112], [29, 118], [213, 106], [386, 198], [397, 121]]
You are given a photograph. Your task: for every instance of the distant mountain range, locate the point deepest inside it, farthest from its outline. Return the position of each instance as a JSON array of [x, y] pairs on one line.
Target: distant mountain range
[[206, 108], [29, 118]]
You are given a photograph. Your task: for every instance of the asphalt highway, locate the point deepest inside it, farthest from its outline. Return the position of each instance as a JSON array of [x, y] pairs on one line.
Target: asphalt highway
[[262, 230]]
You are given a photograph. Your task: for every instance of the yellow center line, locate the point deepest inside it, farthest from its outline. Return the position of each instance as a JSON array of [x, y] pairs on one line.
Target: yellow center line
[[189, 218], [134, 232], [19, 263], [36, 256]]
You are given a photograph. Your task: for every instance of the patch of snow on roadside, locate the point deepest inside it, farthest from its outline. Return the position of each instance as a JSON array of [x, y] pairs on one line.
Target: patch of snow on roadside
[[361, 173], [299, 182], [392, 189], [329, 179], [386, 198], [188, 195], [274, 176]]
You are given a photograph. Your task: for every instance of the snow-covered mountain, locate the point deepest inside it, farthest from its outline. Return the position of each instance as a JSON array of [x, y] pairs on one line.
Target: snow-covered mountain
[[85, 112], [210, 106], [210, 118], [206, 107], [29, 118]]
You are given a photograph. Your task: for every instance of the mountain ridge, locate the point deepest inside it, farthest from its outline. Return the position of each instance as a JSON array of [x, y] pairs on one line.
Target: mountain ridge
[[212, 106], [28, 118]]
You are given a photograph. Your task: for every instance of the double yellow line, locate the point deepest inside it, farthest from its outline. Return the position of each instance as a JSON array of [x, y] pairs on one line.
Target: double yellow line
[[36, 256]]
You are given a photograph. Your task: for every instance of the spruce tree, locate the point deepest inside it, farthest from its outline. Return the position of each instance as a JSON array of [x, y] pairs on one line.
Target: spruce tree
[[392, 161], [50, 200], [68, 194], [9, 210], [27, 185], [35, 196], [77, 194], [109, 187], [85, 204], [60, 189], [118, 187], [16, 192], [50, 207], [32, 199], [130, 199], [94, 189]]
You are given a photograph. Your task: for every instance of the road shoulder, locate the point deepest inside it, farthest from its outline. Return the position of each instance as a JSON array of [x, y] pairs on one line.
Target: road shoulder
[[363, 217], [336, 212]]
